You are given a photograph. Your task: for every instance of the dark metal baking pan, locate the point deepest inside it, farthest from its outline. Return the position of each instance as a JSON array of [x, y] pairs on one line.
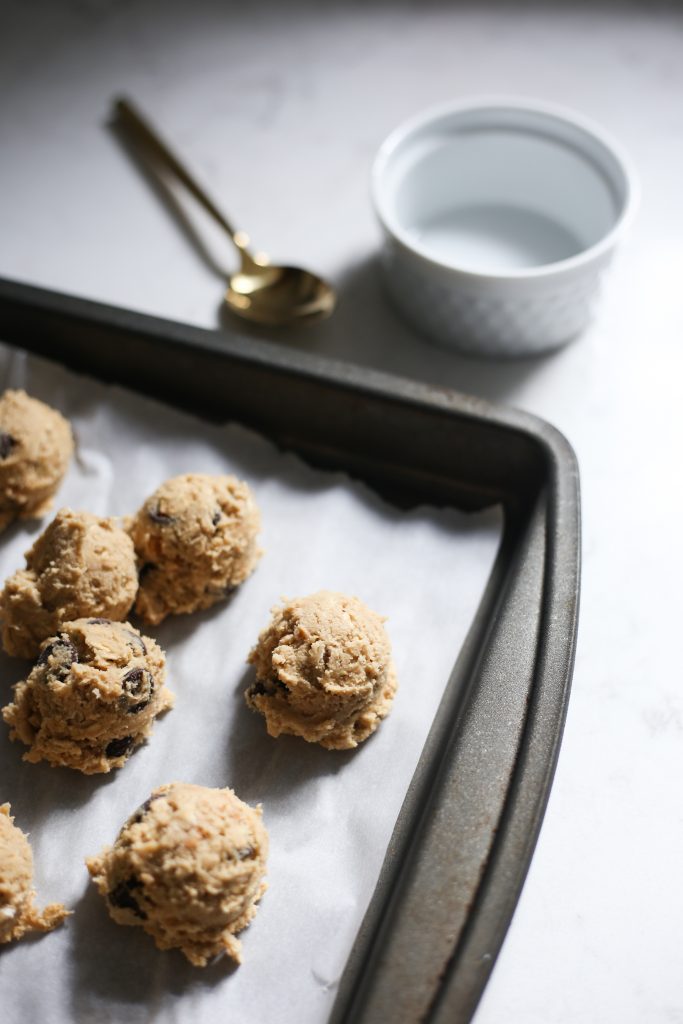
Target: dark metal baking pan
[[464, 838]]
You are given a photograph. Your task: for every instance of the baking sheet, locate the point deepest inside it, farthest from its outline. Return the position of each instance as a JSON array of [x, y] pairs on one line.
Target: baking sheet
[[329, 814]]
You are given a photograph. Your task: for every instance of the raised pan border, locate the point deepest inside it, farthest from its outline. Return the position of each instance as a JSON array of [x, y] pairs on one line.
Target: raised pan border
[[466, 832]]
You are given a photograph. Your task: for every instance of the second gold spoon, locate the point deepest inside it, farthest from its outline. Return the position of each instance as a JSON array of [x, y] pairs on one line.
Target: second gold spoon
[[259, 291]]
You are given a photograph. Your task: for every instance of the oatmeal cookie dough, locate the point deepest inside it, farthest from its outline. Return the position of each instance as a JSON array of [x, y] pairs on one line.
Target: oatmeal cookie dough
[[323, 671], [91, 697], [18, 911], [35, 448], [81, 566], [195, 538], [187, 867]]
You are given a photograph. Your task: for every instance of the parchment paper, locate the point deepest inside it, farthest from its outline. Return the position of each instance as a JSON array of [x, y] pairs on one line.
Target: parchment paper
[[329, 814]]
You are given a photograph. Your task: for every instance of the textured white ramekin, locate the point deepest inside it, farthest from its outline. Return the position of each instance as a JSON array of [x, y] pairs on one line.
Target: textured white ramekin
[[499, 218]]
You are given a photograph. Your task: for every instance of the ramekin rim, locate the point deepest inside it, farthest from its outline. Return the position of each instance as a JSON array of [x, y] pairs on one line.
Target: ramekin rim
[[513, 103]]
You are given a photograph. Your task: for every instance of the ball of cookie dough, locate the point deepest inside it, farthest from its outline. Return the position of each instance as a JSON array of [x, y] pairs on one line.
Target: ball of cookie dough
[[323, 671], [187, 867], [196, 541], [81, 566], [91, 697], [18, 911], [35, 448]]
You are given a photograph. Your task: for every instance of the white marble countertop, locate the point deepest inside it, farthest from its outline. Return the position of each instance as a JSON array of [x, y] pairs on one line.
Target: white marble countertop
[[280, 112]]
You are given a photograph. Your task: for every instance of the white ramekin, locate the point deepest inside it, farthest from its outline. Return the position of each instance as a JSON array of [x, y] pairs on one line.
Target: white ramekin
[[499, 217]]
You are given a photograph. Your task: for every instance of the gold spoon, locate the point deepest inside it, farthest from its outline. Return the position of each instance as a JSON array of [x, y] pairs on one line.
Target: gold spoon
[[259, 291]]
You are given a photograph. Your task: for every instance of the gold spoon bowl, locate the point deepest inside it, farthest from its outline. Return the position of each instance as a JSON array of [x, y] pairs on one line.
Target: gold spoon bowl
[[259, 291]]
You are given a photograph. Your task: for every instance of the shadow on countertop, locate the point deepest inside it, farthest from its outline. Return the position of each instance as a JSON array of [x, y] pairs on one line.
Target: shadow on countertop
[[367, 330]]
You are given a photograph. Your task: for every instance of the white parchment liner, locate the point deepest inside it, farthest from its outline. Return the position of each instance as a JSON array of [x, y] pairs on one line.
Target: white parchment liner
[[329, 814]]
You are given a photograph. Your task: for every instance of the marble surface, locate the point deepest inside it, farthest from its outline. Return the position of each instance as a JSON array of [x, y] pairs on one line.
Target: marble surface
[[280, 111]]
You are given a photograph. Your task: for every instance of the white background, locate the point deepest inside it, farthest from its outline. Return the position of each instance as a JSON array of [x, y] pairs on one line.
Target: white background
[[280, 111]]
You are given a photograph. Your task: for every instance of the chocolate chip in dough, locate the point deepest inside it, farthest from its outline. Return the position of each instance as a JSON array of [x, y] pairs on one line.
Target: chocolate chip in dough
[[138, 815], [64, 652], [162, 518], [121, 896], [138, 684], [7, 443], [137, 642], [119, 747]]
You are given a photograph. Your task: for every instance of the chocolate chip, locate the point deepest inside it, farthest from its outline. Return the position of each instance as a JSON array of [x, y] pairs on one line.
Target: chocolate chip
[[63, 652], [220, 591], [121, 896], [268, 687], [137, 642], [143, 808], [99, 622], [134, 681], [138, 684], [216, 517], [245, 852], [162, 518], [119, 747], [7, 443]]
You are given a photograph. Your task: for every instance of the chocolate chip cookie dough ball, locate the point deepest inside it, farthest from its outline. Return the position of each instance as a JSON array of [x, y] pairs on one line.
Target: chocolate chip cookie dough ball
[[81, 566], [323, 671], [196, 541], [187, 867], [91, 697], [35, 448], [18, 911]]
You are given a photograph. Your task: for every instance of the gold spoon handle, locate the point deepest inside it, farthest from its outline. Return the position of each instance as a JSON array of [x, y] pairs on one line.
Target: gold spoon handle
[[138, 128]]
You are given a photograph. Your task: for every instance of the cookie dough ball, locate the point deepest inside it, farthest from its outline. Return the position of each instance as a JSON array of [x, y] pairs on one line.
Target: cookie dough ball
[[187, 867], [80, 566], [91, 697], [196, 541], [323, 671], [35, 448], [18, 911]]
